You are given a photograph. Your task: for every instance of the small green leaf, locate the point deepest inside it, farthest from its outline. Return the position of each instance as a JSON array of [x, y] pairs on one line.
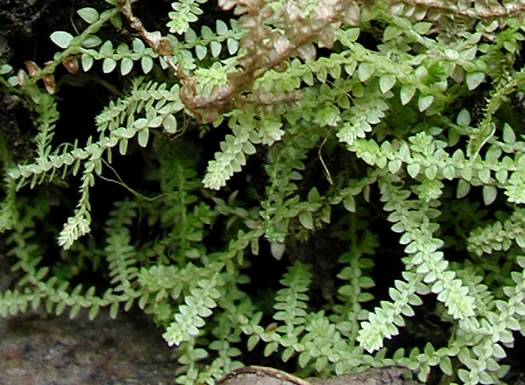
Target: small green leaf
[[277, 249], [394, 165], [73, 312], [364, 71], [61, 38], [463, 118], [222, 28], [306, 220], [170, 124], [422, 27], [5, 68], [386, 82], [143, 137], [123, 146], [304, 358], [270, 348], [349, 203], [91, 41], [509, 136], [424, 102], [252, 342], [107, 48], [87, 62], [108, 65], [93, 312], [446, 365], [116, 20], [413, 169], [215, 48], [407, 93], [140, 123], [138, 46], [484, 175], [113, 310], [90, 15], [233, 45], [200, 51], [490, 194], [126, 65], [146, 63], [474, 79], [462, 189], [391, 32]]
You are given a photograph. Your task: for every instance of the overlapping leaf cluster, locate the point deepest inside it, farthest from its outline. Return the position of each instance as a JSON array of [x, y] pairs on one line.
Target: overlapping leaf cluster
[[343, 118]]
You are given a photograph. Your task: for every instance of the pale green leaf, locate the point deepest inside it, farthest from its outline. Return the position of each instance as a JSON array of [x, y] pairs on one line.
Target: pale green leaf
[[463, 189], [463, 118], [170, 124], [215, 48], [90, 15], [407, 93], [108, 65], [126, 65], [489, 194], [61, 38], [364, 71], [306, 220], [509, 136], [424, 102], [87, 62], [474, 79], [386, 82], [146, 62]]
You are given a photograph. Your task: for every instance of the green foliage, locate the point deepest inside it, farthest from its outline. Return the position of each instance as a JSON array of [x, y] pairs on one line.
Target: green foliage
[[409, 118]]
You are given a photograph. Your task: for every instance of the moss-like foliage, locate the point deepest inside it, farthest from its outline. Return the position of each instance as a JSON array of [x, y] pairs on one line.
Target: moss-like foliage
[[332, 121]]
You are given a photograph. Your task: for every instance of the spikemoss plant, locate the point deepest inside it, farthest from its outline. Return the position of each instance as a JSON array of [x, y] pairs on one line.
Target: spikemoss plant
[[339, 119]]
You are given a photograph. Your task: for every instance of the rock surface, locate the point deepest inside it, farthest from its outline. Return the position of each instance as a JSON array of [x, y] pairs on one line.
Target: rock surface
[[35, 349]]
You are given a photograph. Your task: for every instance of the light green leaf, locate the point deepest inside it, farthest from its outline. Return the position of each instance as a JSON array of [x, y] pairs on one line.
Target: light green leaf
[[413, 169], [386, 82], [146, 63], [107, 48], [306, 220], [116, 21], [61, 38], [349, 203], [391, 32], [222, 28], [474, 79], [143, 137], [424, 102], [233, 45], [364, 71], [5, 68], [108, 65], [463, 118], [490, 194], [215, 48], [126, 65], [407, 93], [90, 15], [509, 136], [91, 41], [200, 51], [462, 189], [87, 62], [123, 146], [394, 165], [170, 124]]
